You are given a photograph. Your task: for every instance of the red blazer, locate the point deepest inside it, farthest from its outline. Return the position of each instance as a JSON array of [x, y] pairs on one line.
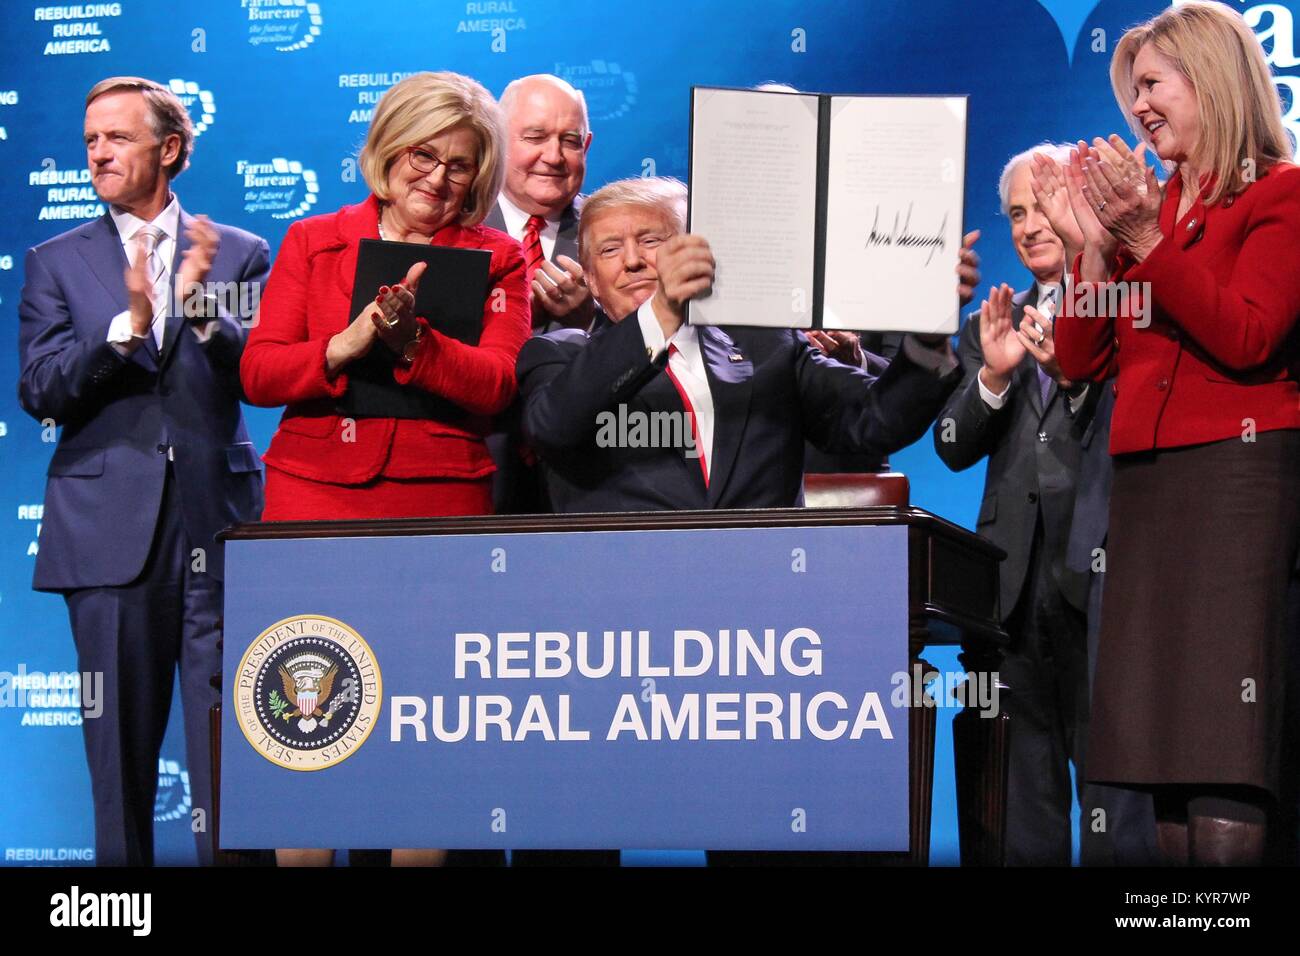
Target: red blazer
[[1222, 346], [307, 300]]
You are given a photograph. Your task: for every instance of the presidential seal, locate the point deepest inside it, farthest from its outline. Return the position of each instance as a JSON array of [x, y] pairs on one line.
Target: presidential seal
[[308, 692]]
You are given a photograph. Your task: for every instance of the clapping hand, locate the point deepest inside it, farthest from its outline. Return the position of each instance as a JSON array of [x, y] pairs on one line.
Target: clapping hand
[[1036, 334], [1047, 182], [395, 322], [560, 287], [197, 261], [1003, 347], [139, 295], [1124, 191]]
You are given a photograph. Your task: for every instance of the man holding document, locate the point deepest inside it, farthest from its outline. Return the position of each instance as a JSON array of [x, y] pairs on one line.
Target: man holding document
[[650, 413]]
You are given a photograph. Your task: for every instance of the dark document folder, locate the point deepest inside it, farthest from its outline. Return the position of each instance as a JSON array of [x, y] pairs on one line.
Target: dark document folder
[[450, 298]]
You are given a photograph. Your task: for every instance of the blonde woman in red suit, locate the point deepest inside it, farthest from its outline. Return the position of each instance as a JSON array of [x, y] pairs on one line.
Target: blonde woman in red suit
[[433, 162], [1188, 694]]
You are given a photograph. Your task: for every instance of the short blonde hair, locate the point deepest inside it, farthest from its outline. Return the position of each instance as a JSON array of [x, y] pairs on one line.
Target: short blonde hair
[[167, 115], [663, 194], [420, 107], [1237, 103]]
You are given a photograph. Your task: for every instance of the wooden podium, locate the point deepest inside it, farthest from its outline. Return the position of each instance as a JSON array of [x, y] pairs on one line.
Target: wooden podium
[[952, 600]]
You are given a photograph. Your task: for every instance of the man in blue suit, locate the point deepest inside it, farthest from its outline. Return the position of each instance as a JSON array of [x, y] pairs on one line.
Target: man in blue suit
[[753, 394], [120, 346]]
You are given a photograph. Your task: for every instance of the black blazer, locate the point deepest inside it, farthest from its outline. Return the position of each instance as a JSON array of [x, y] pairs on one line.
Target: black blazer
[[770, 390], [1034, 452]]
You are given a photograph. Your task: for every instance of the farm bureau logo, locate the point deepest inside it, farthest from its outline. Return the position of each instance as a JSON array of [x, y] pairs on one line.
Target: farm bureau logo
[[173, 800], [609, 90], [308, 692], [288, 24], [281, 187], [189, 94]]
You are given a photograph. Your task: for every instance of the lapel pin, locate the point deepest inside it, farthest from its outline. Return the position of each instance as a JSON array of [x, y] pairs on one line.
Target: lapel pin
[[735, 357]]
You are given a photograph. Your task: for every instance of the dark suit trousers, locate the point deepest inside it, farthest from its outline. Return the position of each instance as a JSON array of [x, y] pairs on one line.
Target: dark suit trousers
[[135, 636], [1046, 669]]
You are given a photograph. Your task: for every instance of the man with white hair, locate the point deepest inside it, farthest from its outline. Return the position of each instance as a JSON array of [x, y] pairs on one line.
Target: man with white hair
[[547, 138], [1019, 410], [750, 395]]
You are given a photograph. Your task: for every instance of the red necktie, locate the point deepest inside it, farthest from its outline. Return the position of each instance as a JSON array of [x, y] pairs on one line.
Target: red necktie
[[532, 248], [690, 410]]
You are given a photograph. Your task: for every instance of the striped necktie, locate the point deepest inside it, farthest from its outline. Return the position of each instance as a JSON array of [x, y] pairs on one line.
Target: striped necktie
[[533, 255], [147, 238]]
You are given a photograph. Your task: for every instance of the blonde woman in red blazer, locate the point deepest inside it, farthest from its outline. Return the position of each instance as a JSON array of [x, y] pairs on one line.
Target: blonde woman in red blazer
[[299, 352], [433, 160], [1188, 693]]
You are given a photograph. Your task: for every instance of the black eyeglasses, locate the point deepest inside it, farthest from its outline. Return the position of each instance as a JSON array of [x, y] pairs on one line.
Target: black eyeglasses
[[424, 161]]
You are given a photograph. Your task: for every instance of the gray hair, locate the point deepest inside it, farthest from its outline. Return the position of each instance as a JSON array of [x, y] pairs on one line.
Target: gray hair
[[1057, 151], [511, 93]]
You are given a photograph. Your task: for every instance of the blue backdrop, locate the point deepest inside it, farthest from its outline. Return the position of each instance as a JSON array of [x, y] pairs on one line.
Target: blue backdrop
[[288, 86]]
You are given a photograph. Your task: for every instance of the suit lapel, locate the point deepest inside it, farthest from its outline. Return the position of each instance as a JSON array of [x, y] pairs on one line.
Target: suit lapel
[[495, 219], [731, 382], [660, 394], [566, 240], [104, 255]]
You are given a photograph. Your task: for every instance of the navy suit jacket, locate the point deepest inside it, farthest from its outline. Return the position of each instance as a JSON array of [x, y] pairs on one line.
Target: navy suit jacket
[[120, 416], [770, 391]]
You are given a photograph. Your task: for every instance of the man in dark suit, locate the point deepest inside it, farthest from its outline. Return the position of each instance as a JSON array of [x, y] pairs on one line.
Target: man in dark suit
[[120, 346], [547, 139], [1016, 409], [752, 394]]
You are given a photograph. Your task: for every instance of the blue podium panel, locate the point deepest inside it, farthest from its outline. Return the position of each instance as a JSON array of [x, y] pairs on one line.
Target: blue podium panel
[[670, 689]]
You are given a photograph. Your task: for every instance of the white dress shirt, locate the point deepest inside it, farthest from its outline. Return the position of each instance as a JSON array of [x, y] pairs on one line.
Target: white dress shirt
[[516, 219], [687, 364], [169, 221]]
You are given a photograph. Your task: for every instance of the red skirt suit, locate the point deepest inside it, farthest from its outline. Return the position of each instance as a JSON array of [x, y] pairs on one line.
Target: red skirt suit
[[321, 466]]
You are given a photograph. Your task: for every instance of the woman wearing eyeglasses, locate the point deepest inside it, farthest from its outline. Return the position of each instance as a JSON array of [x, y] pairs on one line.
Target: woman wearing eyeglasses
[[433, 160]]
